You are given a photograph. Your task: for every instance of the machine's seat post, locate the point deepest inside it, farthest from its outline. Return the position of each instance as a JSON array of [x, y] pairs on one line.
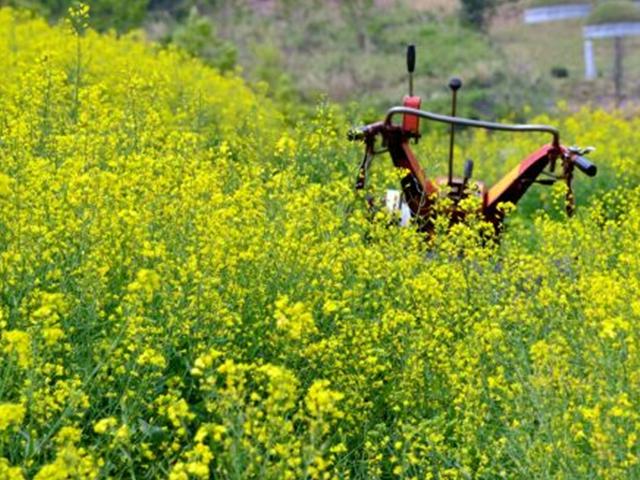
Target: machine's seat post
[[454, 84]]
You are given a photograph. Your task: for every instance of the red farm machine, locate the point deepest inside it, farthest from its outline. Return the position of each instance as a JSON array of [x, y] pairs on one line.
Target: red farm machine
[[419, 194]]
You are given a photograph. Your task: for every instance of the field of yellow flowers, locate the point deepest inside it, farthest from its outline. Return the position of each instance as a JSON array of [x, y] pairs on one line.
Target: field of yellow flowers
[[189, 289]]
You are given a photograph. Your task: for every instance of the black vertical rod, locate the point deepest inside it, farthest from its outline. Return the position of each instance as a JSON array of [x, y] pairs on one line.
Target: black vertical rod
[[454, 85], [411, 66], [411, 84]]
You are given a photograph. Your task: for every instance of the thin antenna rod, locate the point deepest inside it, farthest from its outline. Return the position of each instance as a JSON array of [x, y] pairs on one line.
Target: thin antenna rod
[[454, 85]]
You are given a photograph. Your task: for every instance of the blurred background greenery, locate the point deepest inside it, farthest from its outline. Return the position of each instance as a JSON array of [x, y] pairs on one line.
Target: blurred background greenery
[[352, 52]]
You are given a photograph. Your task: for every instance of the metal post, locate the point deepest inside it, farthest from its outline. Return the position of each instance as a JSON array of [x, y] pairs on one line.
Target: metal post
[[589, 60], [618, 70]]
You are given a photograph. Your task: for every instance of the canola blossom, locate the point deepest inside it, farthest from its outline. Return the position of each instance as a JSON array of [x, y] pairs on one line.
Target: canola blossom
[[190, 289]]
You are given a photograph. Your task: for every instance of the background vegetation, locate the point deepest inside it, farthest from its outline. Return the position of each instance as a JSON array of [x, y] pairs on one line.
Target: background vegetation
[[299, 52], [353, 52]]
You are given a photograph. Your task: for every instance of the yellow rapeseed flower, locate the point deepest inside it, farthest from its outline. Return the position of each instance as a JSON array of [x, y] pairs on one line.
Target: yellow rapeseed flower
[[18, 342], [11, 415], [293, 320]]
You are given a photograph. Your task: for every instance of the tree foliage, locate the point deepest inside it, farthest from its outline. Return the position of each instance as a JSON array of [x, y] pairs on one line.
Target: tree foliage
[[120, 15], [198, 36], [478, 12]]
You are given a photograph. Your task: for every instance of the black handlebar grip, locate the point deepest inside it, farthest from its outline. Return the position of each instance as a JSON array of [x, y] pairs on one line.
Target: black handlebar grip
[[411, 58], [455, 83], [585, 166]]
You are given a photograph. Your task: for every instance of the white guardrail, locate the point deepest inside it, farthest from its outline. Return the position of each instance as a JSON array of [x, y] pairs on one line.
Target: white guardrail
[[554, 13]]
